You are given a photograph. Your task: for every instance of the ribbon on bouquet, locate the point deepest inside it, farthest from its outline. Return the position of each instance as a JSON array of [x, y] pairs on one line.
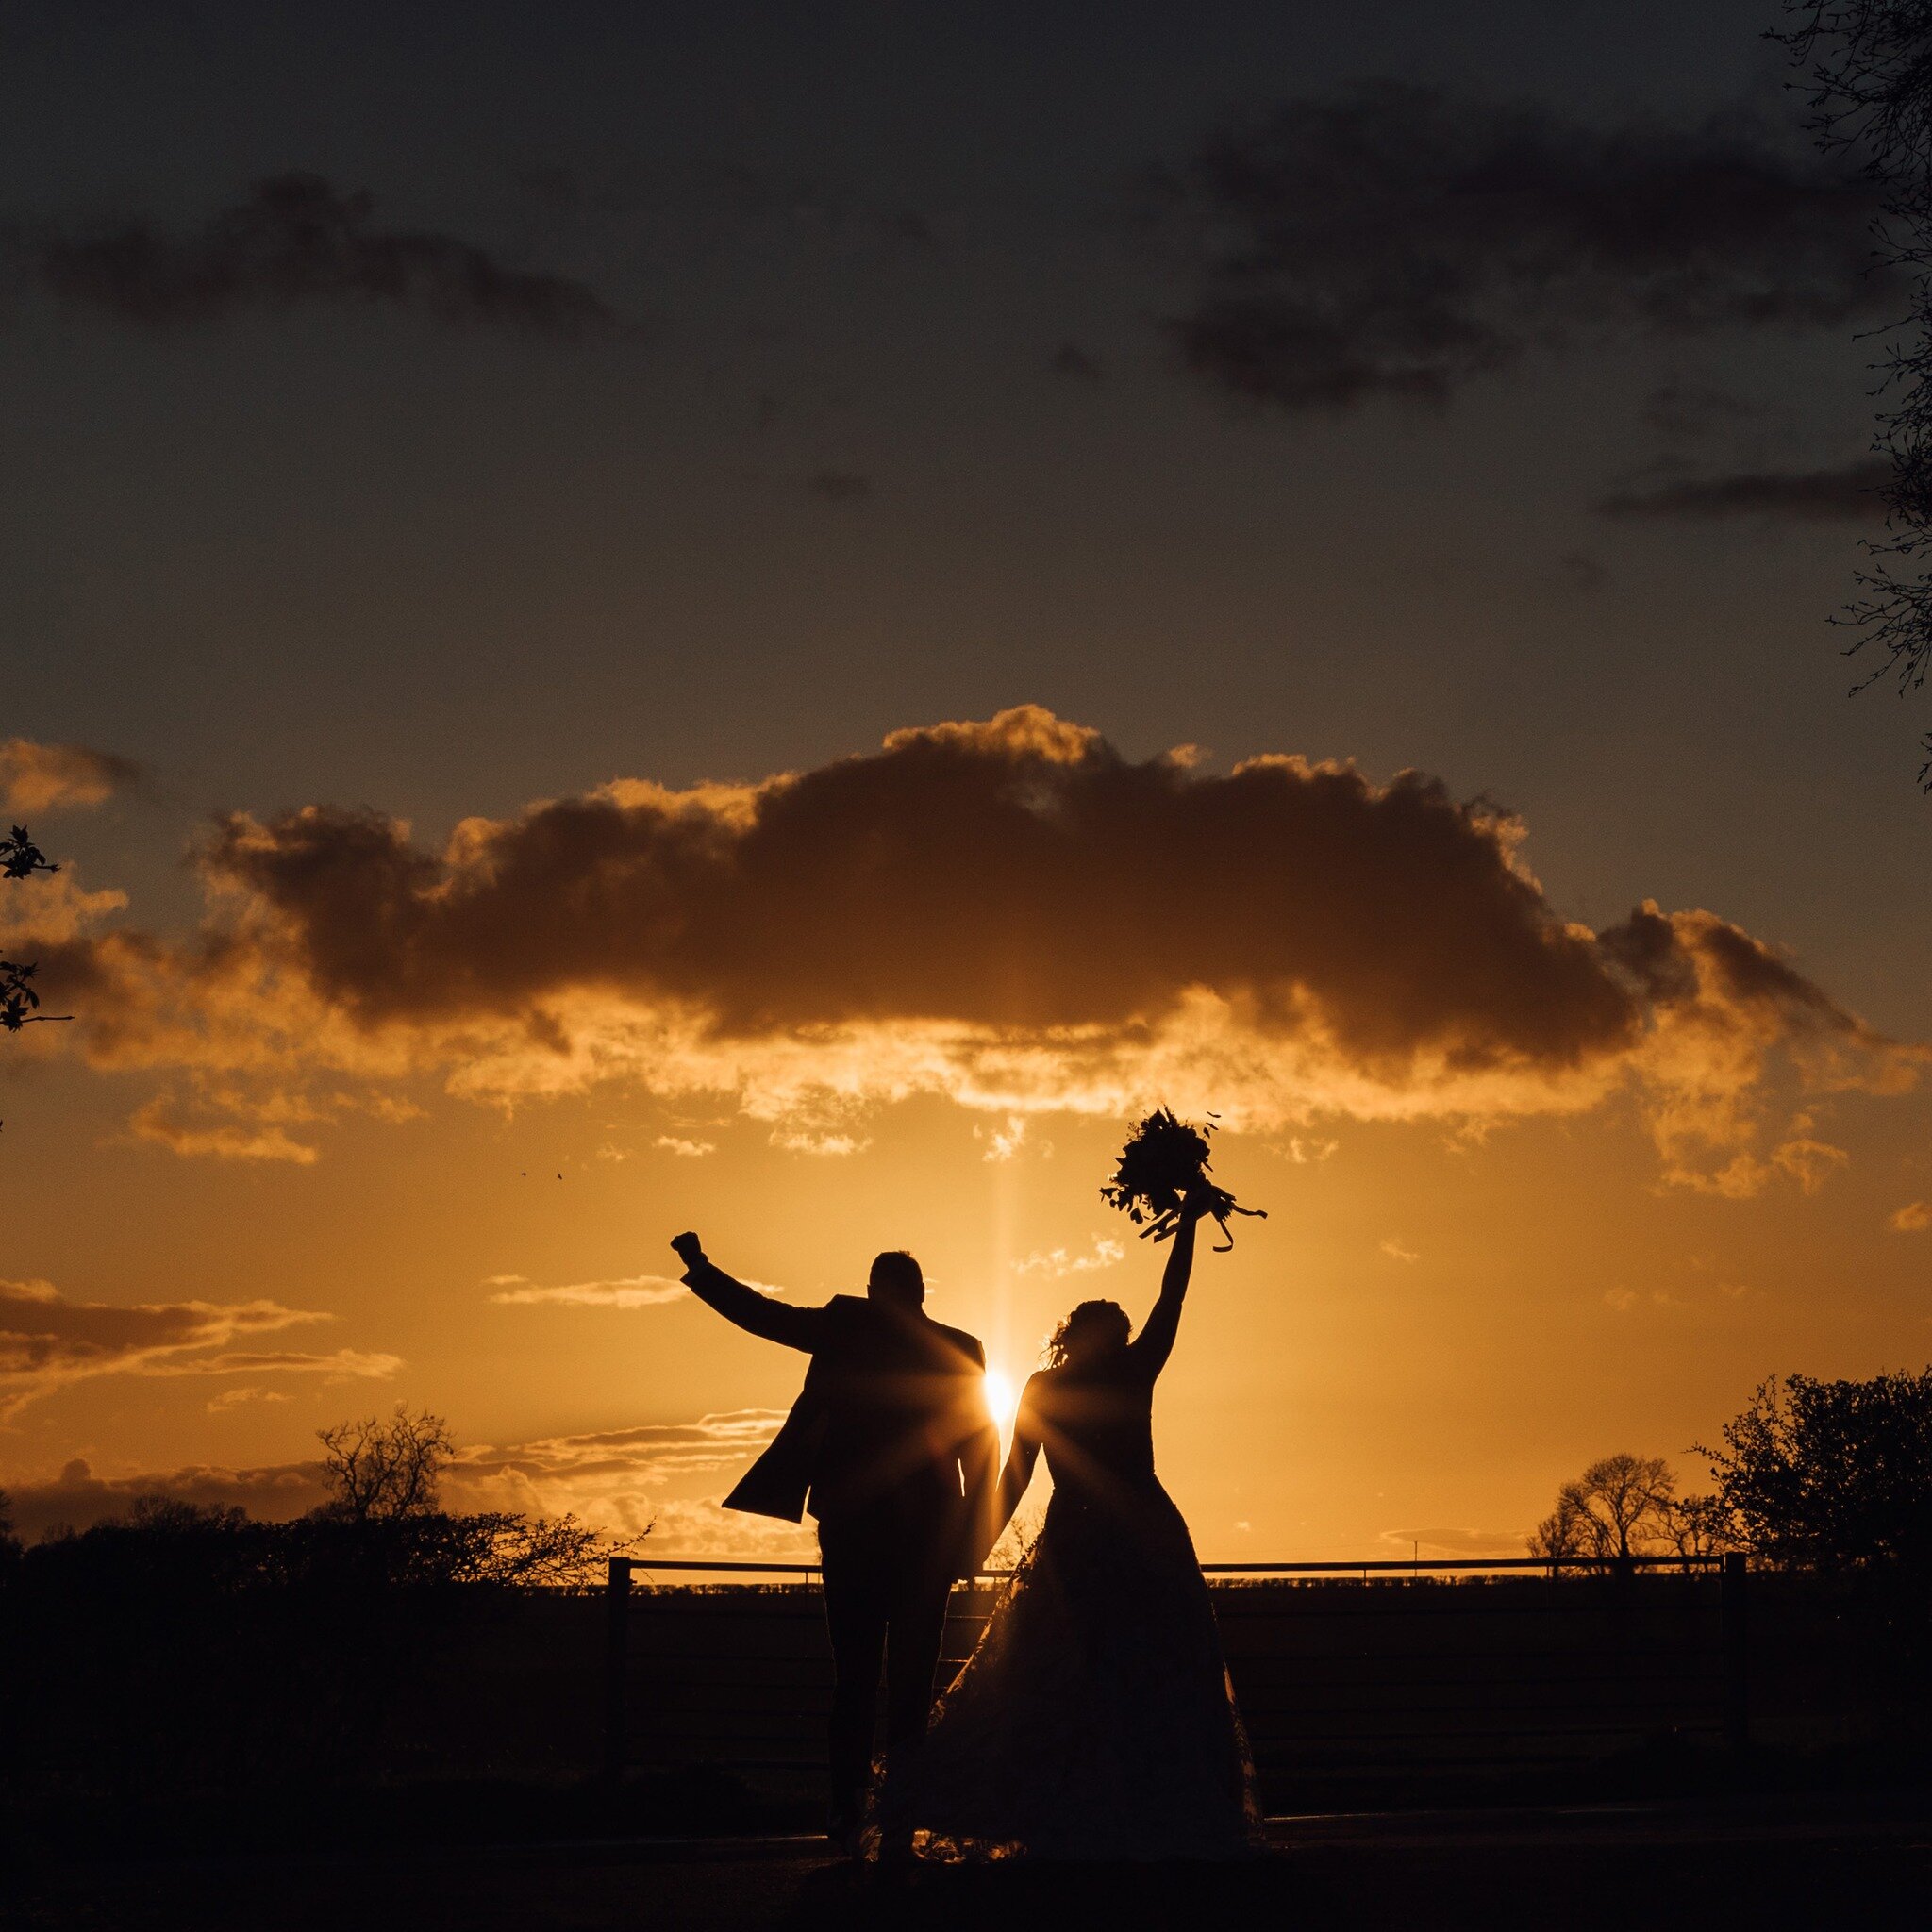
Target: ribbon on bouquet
[[1166, 1158]]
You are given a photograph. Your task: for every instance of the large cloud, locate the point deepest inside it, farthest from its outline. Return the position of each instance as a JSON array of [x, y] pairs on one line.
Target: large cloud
[[1395, 242], [47, 1340], [298, 239], [1009, 914]]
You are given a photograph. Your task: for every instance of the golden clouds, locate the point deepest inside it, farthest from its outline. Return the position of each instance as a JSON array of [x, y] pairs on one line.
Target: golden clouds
[[154, 1120], [36, 778], [630, 1292], [47, 1340], [609, 1478], [1006, 913], [53, 910]]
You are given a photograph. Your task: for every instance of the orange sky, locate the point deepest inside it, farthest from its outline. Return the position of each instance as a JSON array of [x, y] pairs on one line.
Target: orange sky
[[773, 628], [297, 1165]]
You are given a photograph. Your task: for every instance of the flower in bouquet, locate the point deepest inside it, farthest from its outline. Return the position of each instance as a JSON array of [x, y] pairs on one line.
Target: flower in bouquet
[[1165, 1159]]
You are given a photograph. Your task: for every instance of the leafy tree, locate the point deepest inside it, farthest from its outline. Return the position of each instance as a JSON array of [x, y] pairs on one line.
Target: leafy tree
[[1833, 1475], [21, 858]]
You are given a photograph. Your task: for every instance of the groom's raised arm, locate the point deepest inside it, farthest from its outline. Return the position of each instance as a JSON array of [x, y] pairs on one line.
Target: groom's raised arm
[[757, 1314]]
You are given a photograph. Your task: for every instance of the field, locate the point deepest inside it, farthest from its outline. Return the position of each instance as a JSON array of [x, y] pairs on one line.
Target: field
[[1352, 1691]]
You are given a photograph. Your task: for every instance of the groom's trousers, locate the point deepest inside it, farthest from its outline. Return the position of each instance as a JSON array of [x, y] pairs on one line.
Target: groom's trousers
[[887, 1583]]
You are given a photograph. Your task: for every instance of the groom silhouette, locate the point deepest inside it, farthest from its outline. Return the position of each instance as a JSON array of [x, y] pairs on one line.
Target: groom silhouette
[[891, 1446]]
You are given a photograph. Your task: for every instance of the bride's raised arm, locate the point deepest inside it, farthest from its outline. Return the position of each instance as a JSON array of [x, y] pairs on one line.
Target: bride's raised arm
[[1151, 1348]]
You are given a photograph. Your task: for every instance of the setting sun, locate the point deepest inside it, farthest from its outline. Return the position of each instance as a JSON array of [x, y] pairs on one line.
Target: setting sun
[[1001, 1398]]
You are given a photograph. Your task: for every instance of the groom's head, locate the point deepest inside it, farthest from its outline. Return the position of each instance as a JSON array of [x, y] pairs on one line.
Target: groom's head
[[895, 1278]]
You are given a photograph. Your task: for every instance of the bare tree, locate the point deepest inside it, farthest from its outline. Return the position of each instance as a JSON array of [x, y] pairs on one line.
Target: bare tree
[[381, 1470], [1869, 68], [1559, 1536], [1618, 1508], [385, 1481], [1697, 1526]]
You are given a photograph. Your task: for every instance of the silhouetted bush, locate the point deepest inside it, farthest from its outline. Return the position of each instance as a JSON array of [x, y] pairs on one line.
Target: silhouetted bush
[[9, 1543], [186, 1659], [1836, 1478], [1833, 1475]]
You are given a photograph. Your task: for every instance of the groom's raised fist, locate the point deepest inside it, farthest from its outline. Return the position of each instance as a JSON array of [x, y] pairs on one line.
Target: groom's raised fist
[[689, 1249]]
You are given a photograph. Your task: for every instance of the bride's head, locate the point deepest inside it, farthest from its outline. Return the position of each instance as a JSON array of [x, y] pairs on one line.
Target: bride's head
[[1093, 1330]]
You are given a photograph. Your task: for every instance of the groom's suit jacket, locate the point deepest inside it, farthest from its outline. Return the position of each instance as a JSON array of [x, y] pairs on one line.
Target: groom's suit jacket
[[891, 1420]]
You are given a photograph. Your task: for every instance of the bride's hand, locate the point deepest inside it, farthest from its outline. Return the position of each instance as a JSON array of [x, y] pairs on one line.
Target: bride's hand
[[1198, 1202]]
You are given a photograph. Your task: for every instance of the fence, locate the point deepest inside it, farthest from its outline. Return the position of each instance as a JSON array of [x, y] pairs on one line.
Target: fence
[[1344, 1671]]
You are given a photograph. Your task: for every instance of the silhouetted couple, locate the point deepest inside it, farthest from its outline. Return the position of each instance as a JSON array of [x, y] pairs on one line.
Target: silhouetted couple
[[1094, 1718]]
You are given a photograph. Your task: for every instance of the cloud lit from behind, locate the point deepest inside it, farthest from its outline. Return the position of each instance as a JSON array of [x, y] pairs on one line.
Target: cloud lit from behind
[[981, 911]]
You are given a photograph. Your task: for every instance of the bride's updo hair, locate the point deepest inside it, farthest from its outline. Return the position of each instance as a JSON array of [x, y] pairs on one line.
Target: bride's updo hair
[[1093, 1328]]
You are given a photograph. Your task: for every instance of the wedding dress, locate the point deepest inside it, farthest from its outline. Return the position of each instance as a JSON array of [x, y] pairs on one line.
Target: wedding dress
[[1096, 1719]]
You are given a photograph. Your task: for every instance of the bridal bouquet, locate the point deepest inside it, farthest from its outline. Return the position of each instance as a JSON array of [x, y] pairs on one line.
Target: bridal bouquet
[[1163, 1158]]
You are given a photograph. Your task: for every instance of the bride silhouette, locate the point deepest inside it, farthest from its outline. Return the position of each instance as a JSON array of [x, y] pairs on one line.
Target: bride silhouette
[[1094, 1720]]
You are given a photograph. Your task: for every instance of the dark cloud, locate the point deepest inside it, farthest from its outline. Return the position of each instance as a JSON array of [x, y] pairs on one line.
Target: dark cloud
[[1071, 359], [1691, 411], [840, 486], [993, 873], [1740, 971], [296, 239], [907, 225], [1850, 491], [1395, 242], [1576, 573]]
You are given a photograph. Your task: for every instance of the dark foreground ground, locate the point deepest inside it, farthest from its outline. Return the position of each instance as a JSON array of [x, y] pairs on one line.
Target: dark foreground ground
[[1838, 1863]]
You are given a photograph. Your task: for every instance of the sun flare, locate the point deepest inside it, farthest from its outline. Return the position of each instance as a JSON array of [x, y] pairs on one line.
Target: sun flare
[[1001, 1398]]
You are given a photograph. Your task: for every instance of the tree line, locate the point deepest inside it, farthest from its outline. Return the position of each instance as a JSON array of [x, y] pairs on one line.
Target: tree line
[[1833, 1476], [383, 1519], [184, 1672]]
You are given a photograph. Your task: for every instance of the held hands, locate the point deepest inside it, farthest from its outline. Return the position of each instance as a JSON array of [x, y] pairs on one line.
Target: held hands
[[689, 1249]]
